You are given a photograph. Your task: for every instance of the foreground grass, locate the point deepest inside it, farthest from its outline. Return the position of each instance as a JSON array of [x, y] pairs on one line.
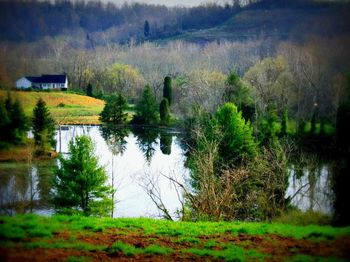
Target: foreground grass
[[66, 108], [84, 238]]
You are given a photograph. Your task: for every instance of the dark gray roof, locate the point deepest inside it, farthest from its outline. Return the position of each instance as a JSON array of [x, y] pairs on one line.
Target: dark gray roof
[[60, 79]]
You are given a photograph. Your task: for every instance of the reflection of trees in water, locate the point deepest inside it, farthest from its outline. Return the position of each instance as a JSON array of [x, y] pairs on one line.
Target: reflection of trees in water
[[146, 140], [166, 140], [24, 188], [115, 138], [116, 142], [310, 184]]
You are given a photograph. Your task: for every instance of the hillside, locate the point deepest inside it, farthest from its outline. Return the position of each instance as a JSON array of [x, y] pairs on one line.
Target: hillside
[[66, 108], [277, 22], [73, 238]]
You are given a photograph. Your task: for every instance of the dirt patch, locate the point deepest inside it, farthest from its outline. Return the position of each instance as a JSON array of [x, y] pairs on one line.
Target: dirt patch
[[281, 247], [276, 247]]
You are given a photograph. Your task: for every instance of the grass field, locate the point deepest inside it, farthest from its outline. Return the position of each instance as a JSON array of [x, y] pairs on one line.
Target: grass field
[[74, 238], [66, 108]]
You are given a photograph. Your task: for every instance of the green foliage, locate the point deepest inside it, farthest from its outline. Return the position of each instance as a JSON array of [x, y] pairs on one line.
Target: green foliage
[[268, 125], [168, 89], [239, 94], [43, 127], [114, 110], [13, 122], [147, 108], [284, 123], [238, 141], [79, 181], [124, 248], [164, 112]]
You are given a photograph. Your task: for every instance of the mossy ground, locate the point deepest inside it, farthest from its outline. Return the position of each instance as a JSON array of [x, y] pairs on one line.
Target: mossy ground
[[75, 238]]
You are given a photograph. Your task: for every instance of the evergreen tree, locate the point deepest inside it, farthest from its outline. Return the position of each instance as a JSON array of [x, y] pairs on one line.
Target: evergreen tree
[[238, 140], [168, 90], [146, 29], [80, 183], [147, 108], [18, 122], [43, 127], [13, 121], [164, 112], [114, 110], [89, 91], [4, 124]]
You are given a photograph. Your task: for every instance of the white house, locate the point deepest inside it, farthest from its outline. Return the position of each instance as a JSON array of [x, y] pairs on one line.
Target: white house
[[43, 82]]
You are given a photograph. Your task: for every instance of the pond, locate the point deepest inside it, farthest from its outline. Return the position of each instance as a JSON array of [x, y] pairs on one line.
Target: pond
[[138, 162]]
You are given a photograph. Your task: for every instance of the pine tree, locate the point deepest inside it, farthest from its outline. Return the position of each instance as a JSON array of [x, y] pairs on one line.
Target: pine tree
[[238, 141], [147, 108], [80, 182], [168, 90], [43, 127], [114, 110]]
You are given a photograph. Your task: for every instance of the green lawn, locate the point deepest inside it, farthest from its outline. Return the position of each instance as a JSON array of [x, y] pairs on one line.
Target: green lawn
[[75, 238]]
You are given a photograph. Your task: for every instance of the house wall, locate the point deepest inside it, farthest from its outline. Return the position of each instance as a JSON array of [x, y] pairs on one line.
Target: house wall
[[23, 83]]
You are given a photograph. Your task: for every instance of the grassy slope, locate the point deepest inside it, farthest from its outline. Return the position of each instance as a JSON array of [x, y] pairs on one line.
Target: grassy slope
[[80, 238], [276, 22], [78, 109]]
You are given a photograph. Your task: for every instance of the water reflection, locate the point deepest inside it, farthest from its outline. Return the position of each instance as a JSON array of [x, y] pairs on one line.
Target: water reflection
[[310, 186], [131, 157], [166, 140], [24, 188], [136, 158], [147, 141]]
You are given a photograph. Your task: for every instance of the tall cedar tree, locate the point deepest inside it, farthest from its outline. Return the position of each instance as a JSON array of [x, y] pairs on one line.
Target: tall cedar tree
[[164, 112], [80, 182], [114, 110], [147, 108], [168, 89], [146, 29], [43, 126]]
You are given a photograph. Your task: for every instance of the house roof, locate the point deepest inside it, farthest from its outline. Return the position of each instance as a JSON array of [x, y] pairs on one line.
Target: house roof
[[47, 79]]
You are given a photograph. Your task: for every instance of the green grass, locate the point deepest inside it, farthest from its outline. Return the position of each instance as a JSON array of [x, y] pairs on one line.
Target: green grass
[[130, 250], [229, 253], [212, 240], [65, 245]]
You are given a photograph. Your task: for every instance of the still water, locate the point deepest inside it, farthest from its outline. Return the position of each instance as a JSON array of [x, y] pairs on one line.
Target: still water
[[138, 161]]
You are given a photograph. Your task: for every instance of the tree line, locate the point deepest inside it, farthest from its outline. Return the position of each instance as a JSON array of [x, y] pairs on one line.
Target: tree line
[[29, 21]]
